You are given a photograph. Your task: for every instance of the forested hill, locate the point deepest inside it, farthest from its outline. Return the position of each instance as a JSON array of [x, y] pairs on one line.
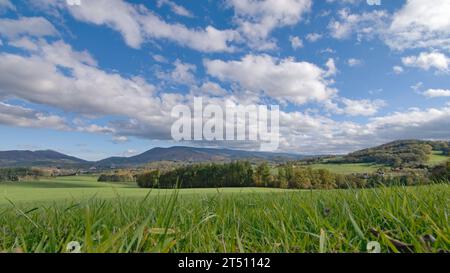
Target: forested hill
[[38, 159], [398, 153]]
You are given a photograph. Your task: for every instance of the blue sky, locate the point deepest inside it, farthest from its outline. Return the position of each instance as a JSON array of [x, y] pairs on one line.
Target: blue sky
[[100, 78]]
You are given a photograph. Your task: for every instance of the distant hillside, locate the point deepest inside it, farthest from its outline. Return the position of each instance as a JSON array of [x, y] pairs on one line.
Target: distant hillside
[[190, 154], [38, 159], [398, 153]]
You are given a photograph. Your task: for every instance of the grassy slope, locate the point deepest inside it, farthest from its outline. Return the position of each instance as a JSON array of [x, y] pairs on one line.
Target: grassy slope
[[348, 168], [85, 187], [437, 158]]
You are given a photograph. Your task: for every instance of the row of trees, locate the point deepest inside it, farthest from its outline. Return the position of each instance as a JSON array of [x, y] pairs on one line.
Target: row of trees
[[17, 174], [441, 172], [236, 174], [116, 178], [242, 174]]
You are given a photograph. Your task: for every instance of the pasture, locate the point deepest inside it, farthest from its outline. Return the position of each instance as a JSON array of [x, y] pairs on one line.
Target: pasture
[[437, 158], [348, 168]]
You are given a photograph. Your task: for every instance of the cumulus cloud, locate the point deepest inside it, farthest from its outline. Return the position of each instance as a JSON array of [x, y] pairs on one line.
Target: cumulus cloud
[[362, 107], [183, 73], [69, 80], [177, 9], [257, 19], [418, 24], [32, 26], [296, 42], [398, 69], [313, 37], [137, 24], [350, 107], [436, 93], [285, 80], [6, 5], [309, 133], [421, 24], [25, 117], [428, 60], [354, 62], [366, 25]]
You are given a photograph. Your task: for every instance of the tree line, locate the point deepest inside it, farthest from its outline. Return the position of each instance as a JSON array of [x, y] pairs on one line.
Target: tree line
[[17, 174], [288, 176]]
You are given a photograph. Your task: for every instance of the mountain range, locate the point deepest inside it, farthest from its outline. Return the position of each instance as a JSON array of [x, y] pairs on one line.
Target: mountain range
[[50, 158]]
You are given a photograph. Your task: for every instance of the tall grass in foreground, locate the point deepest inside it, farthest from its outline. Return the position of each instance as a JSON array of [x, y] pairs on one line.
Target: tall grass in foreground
[[401, 219]]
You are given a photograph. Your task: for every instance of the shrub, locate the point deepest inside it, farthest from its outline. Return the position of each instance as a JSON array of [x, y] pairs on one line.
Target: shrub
[[18, 174], [148, 180], [116, 178], [441, 172]]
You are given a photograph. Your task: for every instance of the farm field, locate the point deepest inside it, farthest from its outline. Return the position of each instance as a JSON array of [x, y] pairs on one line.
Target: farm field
[[44, 216], [76, 188], [437, 158], [348, 168]]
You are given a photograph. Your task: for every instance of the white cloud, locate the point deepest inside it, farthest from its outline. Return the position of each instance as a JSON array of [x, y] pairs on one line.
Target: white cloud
[[183, 73], [24, 43], [33, 26], [25, 117], [296, 42], [285, 80], [130, 152], [418, 24], [210, 88], [59, 77], [177, 9], [159, 58], [311, 133], [421, 24], [119, 139], [354, 62], [313, 37], [137, 24], [398, 69], [366, 25], [427, 61], [436, 93], [350, 107], [362, 107], [257, 19], [6, 5]]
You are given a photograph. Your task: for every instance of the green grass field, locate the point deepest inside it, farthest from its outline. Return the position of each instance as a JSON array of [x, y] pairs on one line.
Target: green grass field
[[437, 158], [86, 187], [43, 216], [348, 168]]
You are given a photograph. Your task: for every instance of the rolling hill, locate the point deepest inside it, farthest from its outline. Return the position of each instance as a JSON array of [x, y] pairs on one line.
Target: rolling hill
[[50, 158], [38, 159], [190, 154], [399, 153]]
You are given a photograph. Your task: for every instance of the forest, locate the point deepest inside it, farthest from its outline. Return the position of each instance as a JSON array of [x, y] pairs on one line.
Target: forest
[[287, 176]]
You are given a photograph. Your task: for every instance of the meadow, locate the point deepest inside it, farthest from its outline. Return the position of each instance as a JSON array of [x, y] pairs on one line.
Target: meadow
[[348, 168], [437, 158], [44, 216]]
